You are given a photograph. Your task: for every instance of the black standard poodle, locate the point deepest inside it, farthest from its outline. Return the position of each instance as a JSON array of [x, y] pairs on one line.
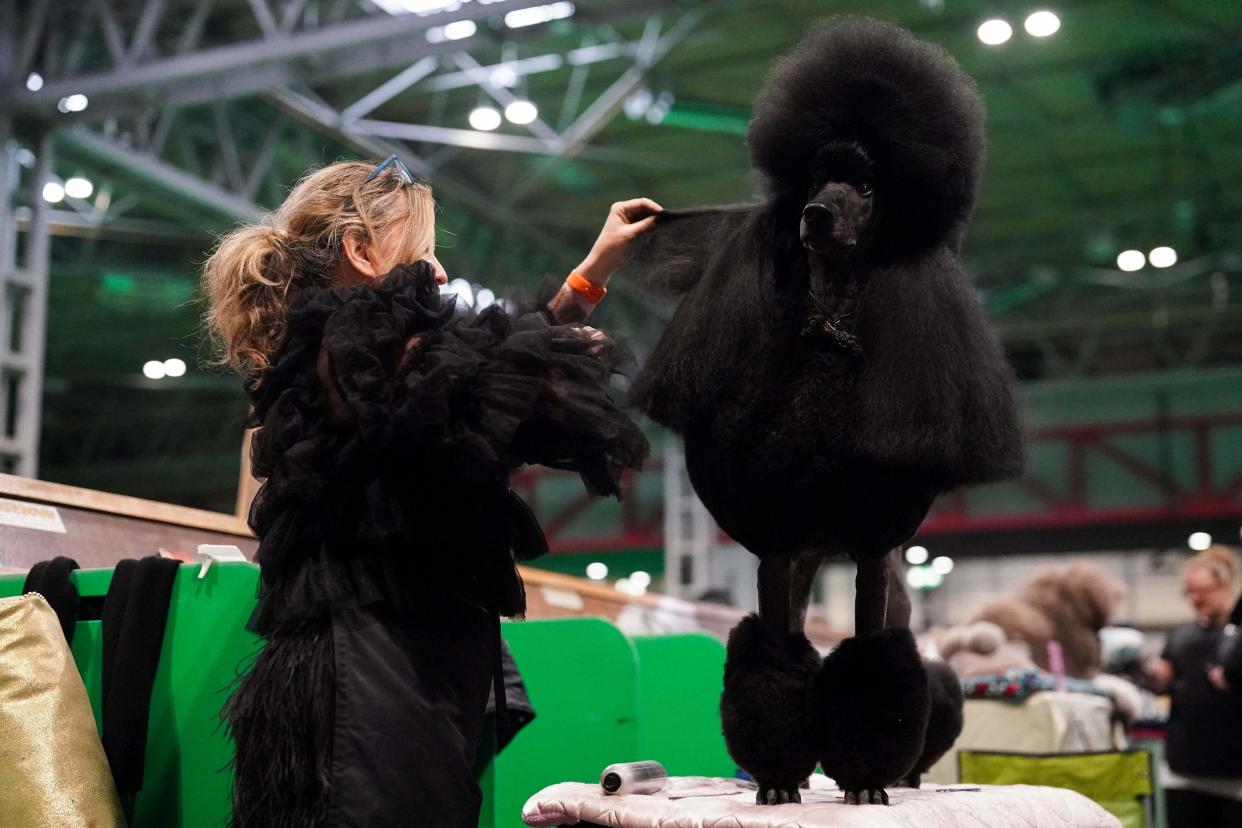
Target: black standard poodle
[[831, 371]]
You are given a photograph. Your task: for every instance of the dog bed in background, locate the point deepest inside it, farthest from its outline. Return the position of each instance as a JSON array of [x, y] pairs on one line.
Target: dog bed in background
[[703, 802]]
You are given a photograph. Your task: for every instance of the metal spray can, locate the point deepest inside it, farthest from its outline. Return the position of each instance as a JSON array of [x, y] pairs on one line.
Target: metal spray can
[[633, 778]]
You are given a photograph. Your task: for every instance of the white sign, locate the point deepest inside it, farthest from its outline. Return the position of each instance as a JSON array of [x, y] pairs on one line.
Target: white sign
[[563, 598], [30, 515]]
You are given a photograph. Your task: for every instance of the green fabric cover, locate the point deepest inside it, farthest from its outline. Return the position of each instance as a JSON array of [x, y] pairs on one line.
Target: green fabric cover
[[1118, 781]]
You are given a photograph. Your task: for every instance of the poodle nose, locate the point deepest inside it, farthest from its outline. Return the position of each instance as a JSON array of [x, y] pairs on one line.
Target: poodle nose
[[817, 214]]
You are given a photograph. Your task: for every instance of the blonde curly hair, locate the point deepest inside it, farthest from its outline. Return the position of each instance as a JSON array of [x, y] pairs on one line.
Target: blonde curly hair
[[249, 275]]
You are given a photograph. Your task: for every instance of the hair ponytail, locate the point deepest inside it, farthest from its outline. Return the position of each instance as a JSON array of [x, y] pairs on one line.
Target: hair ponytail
[[249, 276]]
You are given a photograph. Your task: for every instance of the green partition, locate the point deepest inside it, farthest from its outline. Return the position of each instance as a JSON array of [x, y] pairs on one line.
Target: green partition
[[680, 678], [582, 679], [186, 781]]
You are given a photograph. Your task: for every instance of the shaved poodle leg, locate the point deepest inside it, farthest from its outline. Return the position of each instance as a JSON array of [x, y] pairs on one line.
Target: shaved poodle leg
[[801, 581], [898, 611], [870, 594], [775, 573]]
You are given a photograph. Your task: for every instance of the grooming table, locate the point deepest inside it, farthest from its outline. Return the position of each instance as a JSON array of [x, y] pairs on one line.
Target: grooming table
[[704, 802]]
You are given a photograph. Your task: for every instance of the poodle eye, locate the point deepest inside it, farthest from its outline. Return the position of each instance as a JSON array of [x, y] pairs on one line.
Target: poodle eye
[[865, 190]]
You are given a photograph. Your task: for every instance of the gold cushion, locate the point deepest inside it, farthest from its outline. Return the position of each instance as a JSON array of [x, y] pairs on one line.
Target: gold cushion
[[52, 764]]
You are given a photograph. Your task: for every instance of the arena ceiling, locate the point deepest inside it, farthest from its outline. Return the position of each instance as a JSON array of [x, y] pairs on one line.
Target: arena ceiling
[[1121, 130]]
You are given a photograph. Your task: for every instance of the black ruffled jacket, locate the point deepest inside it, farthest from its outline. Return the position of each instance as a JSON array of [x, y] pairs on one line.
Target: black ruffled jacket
[[389, 422]]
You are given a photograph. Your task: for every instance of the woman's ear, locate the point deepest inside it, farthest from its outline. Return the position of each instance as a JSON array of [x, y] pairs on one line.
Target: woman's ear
[[356, 248]]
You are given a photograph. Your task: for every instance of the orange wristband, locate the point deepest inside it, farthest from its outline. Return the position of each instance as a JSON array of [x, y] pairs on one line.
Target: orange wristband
[[587, 290]]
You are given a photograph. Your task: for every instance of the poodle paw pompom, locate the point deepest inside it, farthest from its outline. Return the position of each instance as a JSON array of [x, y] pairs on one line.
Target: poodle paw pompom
[[866, 796], [874, 696], [767, 709]]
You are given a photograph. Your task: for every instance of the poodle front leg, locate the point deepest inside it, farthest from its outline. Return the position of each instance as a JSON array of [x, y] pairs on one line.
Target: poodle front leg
[[870, 594], [769, 719], [873, 692]]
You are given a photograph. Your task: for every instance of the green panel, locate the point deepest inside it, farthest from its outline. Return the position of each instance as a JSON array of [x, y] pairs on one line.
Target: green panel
[[582, 679], [186, 780], [205, 645], [1117, 780], [680, 678]]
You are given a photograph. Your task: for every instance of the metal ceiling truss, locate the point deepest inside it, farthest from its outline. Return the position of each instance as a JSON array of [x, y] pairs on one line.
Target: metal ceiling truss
[[147, 94], [165, 106], [1172, 318]]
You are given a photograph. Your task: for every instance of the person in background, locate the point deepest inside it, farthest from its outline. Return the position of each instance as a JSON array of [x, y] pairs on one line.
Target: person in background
[[1203, 777]]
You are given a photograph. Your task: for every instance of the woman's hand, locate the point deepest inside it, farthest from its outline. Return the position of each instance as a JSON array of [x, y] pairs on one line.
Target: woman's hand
[[626, 221], [1159, 674], [1216, 675]]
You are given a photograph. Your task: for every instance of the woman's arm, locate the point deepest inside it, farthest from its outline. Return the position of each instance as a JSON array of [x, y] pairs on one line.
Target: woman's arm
[[587, 283]]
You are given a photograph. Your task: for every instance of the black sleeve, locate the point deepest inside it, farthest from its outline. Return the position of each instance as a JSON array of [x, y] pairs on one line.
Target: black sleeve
[[480, 393]]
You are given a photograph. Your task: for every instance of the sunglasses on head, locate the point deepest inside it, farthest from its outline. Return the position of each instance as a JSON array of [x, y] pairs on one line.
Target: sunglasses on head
[[402, 170]]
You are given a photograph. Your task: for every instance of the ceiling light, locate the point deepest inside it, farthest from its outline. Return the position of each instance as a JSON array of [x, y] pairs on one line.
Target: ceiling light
[[53, 193], [72, 103], [420, 7], [34, 81], [658, 110], [1131, 260], [521, 112], [174, 367], [504, 76], [1042, 24], [916, 555], [78, 187], [1162, 257], [994, 32], [640, 579], [535, 15], [1199, 541], [153, 369], [484, 118], [463, 289], [457, 30], [942, 564], [637, 104], [597, 571]]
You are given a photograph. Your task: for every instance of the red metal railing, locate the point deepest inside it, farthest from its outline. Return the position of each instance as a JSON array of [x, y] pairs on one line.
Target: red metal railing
[[1057, 493]]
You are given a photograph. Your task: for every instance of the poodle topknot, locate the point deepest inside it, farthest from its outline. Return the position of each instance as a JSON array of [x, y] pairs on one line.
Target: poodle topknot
[[905, 102]]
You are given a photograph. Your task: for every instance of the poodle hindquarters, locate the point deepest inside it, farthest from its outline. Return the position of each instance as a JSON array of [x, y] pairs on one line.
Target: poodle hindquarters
[[944, 724]]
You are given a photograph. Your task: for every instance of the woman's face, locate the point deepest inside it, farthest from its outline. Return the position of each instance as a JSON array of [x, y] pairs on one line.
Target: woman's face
[[360, 264], [391, 248], [1207, 596], [441, 276]]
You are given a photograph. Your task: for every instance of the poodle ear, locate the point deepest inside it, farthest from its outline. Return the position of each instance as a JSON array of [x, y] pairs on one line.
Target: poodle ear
[[669, 260]]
